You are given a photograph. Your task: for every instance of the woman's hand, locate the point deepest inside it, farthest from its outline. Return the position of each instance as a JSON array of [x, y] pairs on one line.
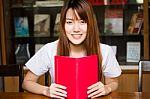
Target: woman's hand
[[98, 89], [56, 91]]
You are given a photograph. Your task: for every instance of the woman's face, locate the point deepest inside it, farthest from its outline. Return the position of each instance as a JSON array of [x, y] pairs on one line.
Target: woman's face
[[75, 28]]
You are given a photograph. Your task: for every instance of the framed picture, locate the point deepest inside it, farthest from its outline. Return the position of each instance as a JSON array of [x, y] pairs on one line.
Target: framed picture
[[133, 51]]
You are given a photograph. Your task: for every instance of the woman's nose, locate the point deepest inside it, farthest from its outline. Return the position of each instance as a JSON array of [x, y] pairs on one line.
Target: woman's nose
[[76, 27]]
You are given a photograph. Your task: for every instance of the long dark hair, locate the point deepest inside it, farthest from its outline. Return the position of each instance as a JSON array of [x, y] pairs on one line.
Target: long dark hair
[[92, 42]]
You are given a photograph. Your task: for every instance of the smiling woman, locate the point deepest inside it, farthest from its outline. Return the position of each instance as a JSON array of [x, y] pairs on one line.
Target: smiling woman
[[79, 37], [76, 28]]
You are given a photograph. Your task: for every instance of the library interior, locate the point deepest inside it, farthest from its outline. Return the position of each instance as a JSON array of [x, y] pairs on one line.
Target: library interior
[[27, 25]]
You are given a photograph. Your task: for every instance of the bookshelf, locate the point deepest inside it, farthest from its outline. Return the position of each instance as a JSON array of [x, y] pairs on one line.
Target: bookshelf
[[19, 8]]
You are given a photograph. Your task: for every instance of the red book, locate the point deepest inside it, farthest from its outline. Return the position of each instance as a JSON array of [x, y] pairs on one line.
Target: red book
[[96, 2], [119, 1], [77, 74]]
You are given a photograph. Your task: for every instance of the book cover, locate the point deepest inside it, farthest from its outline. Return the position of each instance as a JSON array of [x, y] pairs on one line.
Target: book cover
[[22, 53], [77, 74], [135, 23], [56, 26], [113, 22], [133, 51], [21, 27], [41, 25]]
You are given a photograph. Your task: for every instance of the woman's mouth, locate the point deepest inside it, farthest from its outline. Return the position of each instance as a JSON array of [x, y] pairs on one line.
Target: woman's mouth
[[76, 36]]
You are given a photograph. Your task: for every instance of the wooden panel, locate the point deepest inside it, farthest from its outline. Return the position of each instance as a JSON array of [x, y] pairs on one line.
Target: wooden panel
[[146, 31], [129, 82], [12, 83], [2, 34]]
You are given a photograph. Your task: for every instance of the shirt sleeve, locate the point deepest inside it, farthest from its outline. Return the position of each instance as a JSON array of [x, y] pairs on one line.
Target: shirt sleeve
[[40, 62], [110, 65]]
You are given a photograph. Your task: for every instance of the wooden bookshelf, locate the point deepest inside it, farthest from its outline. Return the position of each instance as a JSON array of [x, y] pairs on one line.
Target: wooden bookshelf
[[146, 30], [2, 31]]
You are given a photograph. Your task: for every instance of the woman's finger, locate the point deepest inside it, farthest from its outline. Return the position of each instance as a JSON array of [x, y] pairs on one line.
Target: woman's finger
[[55, 96], [60, 90], [95, 85], [60, 86]]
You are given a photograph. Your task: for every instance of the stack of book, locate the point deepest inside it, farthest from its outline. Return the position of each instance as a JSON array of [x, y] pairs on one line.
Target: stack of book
[[50, 3]]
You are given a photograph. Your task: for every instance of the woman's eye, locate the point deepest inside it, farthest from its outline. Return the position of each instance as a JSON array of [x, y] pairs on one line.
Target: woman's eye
[[82, 21], [68, 22]]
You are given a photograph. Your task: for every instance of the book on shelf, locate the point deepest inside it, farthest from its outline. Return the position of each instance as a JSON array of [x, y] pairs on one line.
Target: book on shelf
[[136, 23], [22, 53], [49, 3], [133, 51], [21, 26], [38, 46], [118, 1], [140, 1], [41, 25], [56, 26], [17, 2], [113, 22], [96, 2], [28, 2], [107, 2], [77, 74], [132, 1]]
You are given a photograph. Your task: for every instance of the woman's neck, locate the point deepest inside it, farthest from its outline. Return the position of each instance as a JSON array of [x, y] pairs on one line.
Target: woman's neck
[[76, 51]]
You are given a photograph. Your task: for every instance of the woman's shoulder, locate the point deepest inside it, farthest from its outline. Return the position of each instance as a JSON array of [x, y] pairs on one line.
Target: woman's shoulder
[[49, 47], [106, 49], [105, 46], [51, 44]]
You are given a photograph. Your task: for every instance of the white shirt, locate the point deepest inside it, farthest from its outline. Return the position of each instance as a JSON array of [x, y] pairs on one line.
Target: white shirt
[[43, 61]]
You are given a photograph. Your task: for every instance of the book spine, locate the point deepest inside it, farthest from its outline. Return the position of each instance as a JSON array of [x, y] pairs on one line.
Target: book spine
[[76, 79]]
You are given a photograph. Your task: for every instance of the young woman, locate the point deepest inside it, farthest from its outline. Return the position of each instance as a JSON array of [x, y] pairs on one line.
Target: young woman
[[79, 36]]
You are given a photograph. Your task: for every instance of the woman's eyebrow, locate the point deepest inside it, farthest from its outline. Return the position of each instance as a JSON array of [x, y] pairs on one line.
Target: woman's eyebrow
[[69, 19]]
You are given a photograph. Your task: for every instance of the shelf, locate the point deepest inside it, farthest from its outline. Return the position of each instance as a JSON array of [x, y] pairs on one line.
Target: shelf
[[38, 40], [119, 39]]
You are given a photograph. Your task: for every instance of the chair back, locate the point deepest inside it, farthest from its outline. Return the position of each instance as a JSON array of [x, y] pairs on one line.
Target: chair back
[[13, 70], [144, 66], [47, 79]]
